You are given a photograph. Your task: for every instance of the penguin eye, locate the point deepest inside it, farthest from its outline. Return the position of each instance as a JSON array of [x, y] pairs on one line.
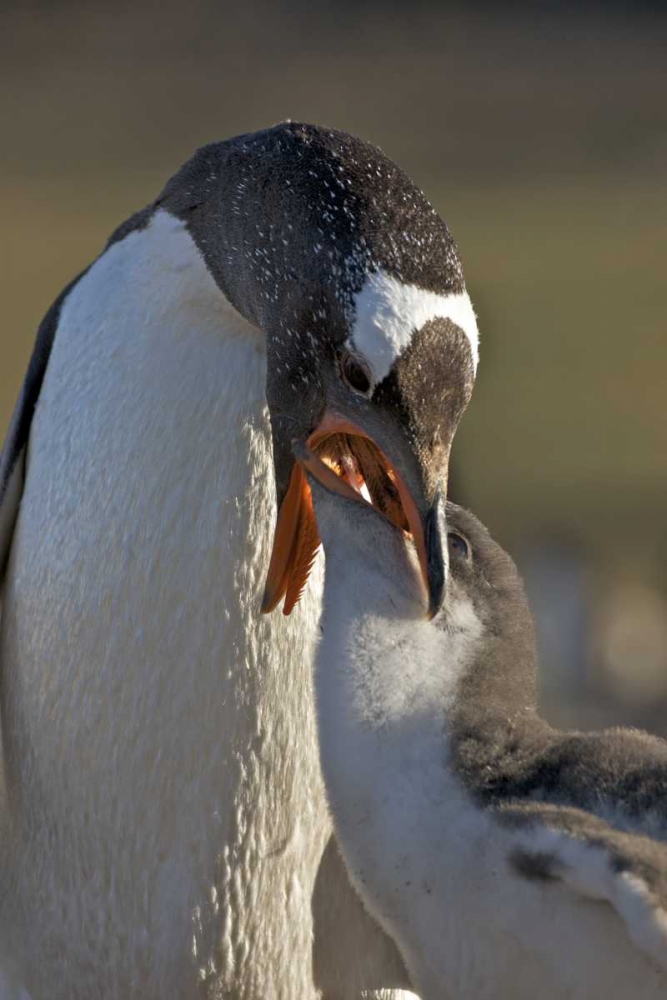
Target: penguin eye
[[355, 374], [458, 546]]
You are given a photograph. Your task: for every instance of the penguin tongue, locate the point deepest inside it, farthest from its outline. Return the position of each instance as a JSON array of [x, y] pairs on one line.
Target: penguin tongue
[[351, 474]]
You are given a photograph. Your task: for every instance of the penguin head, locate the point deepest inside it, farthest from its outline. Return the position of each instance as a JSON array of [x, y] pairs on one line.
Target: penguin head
[[323, 243]]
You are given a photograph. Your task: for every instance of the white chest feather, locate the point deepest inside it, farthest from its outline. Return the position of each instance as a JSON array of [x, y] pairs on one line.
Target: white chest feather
[[159, 729]]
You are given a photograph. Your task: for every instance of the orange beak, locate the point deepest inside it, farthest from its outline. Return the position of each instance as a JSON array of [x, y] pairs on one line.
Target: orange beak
[[296, 539]]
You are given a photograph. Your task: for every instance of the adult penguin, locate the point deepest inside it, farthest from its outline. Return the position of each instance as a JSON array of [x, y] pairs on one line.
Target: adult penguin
[[164, 816]]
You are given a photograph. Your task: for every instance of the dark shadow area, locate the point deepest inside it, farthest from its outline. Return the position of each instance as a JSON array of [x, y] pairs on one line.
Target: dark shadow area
[[351, 953]]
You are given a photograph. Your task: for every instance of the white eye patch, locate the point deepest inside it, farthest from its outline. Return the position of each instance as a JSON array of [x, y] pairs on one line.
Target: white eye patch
[[387, 313]]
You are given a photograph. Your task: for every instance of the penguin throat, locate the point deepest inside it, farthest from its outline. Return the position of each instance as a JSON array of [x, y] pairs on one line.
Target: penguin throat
[[361, 464]]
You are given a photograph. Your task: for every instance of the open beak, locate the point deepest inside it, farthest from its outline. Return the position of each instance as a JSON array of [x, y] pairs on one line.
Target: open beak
[[361, 472]]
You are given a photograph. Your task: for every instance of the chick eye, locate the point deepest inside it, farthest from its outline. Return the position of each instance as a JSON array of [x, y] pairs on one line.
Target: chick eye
[[356, 374], [458, 546]]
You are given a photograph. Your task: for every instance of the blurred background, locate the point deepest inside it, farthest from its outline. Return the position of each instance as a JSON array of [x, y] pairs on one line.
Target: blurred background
[[538, 130]]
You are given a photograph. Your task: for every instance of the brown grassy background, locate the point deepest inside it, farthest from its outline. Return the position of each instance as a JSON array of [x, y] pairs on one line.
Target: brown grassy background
[[539, 132]]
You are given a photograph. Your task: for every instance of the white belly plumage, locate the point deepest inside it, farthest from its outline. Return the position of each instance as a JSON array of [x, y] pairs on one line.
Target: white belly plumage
[[162, 774]]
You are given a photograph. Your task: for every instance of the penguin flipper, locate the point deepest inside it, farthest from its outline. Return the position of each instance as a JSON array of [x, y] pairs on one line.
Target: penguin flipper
[[14, 453], [598, 862], [12, 474]]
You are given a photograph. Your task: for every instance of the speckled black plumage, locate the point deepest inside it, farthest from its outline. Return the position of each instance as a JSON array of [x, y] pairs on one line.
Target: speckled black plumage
[[309, 211], [289, 221]]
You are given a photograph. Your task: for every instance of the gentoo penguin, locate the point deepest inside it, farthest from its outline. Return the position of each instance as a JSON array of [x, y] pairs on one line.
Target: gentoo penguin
[[164, 814], [507, 860]]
